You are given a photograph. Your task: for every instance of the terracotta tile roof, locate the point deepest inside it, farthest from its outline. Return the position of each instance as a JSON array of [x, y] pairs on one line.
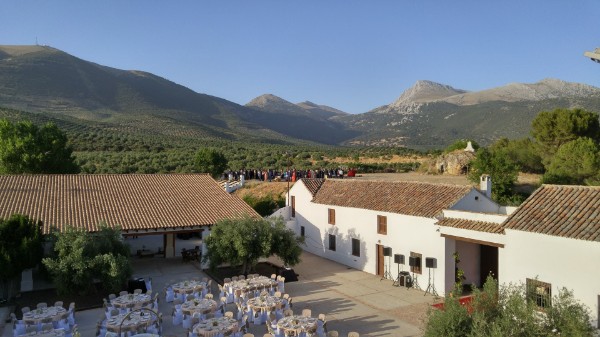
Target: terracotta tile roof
[[403, 197], [134, 201], [567, 211], [313, 185], [474, 225]]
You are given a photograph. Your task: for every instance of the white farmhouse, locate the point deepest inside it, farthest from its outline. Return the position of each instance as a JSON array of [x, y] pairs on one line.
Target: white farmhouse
[[352, 222], [551, 241]]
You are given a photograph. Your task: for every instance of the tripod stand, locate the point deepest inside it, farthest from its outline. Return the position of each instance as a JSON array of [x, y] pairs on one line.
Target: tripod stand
[[397, 280], [387, 274], [415, 280], [431, 286]]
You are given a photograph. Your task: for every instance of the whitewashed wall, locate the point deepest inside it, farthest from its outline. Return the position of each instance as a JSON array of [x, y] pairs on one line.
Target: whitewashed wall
[[475, 201], [573, 264]]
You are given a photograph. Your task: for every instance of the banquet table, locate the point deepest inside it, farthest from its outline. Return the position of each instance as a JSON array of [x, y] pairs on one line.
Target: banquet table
[[188, 287], [202, 306], [265, 303], [134, 320], [48, 333], [258, 283], [131, 301], [297, 324], [146, 335], [213, 326], [49, 314]]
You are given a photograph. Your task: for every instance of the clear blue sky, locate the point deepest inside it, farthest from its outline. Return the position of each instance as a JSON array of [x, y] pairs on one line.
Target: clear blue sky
[[352, 55]]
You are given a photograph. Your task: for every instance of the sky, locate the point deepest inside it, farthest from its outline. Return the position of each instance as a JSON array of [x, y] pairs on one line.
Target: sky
[[351, 55]]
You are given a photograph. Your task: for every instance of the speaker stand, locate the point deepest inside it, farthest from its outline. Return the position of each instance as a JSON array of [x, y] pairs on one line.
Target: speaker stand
[[416, 281], [431, 286], [397, 280], [387, 274]]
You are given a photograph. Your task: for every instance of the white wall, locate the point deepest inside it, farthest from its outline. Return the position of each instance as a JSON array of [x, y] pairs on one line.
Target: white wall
[[573, 264], [475, 201]]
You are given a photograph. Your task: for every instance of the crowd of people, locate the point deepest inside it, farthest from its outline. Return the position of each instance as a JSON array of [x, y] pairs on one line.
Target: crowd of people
[[287, 175]]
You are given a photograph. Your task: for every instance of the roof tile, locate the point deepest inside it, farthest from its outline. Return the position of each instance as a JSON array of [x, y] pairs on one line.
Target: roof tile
[[566, 211], [403, 197], [133, 201]]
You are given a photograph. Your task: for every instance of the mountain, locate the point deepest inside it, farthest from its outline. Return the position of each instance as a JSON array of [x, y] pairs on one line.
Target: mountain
[[432, 115], [42, 79], [314, 122]]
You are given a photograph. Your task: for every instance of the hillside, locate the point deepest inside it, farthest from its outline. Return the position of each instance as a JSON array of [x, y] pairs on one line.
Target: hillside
[[46, 80]]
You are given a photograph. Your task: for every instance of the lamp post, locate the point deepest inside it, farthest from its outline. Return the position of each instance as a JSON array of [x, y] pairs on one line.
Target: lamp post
[[287, 159]]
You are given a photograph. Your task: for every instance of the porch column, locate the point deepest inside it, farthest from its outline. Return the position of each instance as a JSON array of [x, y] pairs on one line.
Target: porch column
[[169, 245], [450, 265], [204, 234]]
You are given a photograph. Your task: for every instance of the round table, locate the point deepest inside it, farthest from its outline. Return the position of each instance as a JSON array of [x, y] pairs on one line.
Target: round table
[[135, 320], [131, 301], [188, 287], [202, 306], [49, 314], [50, 333], [214, 326], [257, 283], [297, 324], [265, 303]]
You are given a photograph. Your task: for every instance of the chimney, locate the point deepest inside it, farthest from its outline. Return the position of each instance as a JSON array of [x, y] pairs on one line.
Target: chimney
[[485, 185]]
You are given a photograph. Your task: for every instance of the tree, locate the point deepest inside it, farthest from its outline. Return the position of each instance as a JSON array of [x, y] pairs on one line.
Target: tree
[[26, 148], [243, 241], [551, 129], [82, 257], [508, 311], [575, 162], [211, 161], [522, 152], [502, 170], [20, 248]]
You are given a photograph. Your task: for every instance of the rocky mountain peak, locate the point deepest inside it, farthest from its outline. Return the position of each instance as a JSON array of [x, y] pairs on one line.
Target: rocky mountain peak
[[425, 91]]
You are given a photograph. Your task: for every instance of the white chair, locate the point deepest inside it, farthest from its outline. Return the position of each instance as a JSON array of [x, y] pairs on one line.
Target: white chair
[[281, 284], [148, 283], [18, 326], [169, 295], [177, 316], [187, 321]]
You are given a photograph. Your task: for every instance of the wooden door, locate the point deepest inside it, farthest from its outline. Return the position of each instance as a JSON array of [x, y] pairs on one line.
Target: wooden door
[[293, 206], [488, 262], [380, 260]]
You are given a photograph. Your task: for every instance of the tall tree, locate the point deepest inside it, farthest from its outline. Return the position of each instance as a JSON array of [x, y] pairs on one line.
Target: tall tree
[[575, 162], [20, 248], [243, 241], [26, 148], [500, 167], [522, 152], [551, 129], [211, 161]]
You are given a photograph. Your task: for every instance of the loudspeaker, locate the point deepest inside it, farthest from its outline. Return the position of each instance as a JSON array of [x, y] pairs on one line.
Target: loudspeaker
[[387, 251], [430, 262], [399, 258], [412, 261]]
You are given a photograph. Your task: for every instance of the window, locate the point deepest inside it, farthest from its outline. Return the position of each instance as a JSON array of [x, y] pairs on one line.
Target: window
[[293, 201], [302, 231], [356, 247], [539, 292], [332, 242], [381, 224], [416, 257], [331, 216]]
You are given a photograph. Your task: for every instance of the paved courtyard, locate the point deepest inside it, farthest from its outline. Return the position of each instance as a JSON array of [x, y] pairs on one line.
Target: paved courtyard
[[352, 300]]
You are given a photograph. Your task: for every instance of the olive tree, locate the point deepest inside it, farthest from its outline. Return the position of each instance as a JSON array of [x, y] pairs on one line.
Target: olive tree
[[27, 148], [81, 258], [20, 248], [243, 241], [211, 161]]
